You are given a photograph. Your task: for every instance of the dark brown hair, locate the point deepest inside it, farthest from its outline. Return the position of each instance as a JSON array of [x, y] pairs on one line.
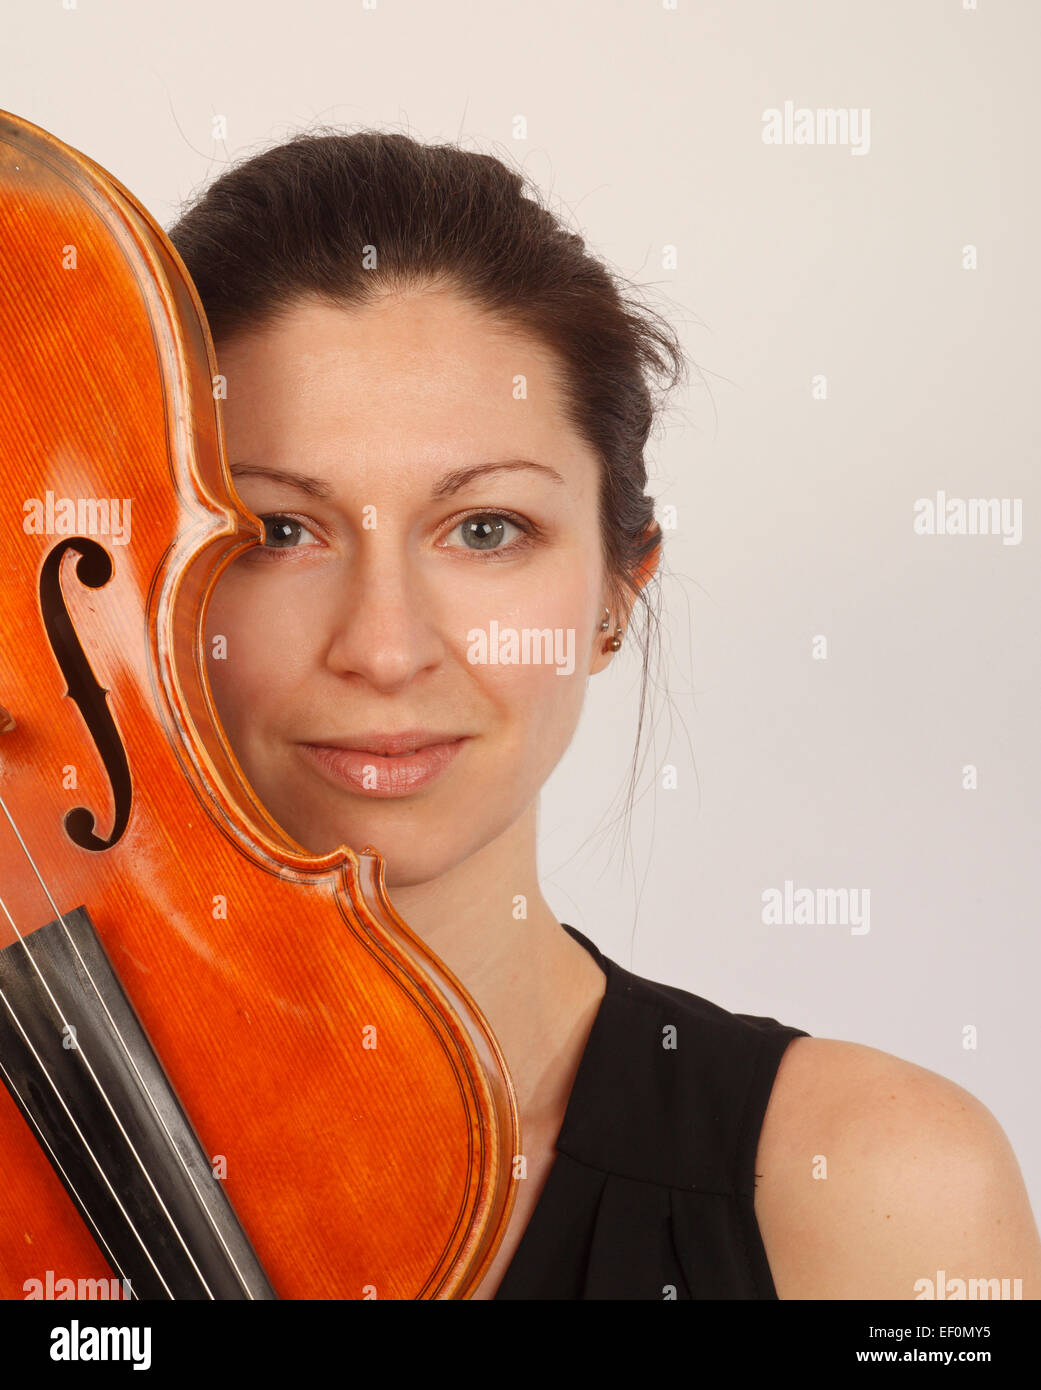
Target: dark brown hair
[[300, 219]]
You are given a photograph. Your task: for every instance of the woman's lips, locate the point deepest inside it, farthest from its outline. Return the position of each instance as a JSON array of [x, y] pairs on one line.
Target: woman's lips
[[384, 776]]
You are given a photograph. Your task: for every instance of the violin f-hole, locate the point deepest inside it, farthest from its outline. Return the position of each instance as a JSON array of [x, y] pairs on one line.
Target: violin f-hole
[[94, 570]]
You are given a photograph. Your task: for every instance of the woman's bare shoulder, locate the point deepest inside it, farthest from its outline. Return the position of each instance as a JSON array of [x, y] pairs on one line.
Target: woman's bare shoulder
[[874, 1174]]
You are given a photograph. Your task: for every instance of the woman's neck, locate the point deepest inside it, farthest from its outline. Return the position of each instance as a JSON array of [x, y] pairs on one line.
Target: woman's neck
[[539, 990]]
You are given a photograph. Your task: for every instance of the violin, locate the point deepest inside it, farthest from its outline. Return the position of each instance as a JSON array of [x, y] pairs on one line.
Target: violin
[[230, 1069]]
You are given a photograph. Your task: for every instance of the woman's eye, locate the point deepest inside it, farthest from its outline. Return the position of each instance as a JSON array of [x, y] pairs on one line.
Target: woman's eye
[[487, 531], [283, 532]]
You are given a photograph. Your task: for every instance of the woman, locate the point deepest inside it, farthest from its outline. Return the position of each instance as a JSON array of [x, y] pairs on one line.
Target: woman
[[438, 403]]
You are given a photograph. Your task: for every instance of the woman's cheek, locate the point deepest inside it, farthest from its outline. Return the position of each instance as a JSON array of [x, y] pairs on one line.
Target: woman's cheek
[[532, 661], [244, 658], [533, 623]]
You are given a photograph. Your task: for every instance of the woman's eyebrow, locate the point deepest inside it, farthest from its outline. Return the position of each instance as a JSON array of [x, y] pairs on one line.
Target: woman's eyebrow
[[314, 487], [453, 482], [450, 483]]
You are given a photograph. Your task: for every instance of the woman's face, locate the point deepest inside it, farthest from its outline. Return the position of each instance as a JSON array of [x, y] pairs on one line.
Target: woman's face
[[365, 439]]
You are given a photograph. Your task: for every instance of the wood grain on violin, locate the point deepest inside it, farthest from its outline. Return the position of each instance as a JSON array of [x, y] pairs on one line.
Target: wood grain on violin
[[231, 1070]]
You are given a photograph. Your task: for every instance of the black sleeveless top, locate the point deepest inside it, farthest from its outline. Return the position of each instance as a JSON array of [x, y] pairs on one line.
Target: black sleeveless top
[[650, 1194]]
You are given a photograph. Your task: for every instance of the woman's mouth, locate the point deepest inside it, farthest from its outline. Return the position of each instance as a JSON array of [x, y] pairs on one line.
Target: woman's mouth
[[386, 773]]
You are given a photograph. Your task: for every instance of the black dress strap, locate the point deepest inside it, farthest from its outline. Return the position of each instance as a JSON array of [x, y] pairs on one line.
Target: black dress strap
[[651, 1193]]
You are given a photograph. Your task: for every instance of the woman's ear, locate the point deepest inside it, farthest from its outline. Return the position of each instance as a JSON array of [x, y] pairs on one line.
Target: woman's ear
[[623, 597], [648, 566], [601, 652], [620, 601]]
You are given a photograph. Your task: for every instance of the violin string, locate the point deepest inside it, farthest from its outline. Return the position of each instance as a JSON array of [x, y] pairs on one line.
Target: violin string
[[131, 1060], [43, 1140], [50, 1081], [129, 1057], [86, 1060], [83, 1139]]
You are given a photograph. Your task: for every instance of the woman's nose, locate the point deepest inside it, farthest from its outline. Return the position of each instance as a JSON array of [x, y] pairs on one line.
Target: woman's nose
[[383, 623]]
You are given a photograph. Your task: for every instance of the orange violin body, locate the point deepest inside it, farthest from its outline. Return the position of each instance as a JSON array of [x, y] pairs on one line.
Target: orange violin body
[[312, 1106]]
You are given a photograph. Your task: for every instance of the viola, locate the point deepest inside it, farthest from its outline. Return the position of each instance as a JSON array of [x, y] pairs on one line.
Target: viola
[[230, 1069]]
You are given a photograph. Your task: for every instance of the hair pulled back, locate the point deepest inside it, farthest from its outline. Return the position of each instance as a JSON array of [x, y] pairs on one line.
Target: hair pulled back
[[351, 217]]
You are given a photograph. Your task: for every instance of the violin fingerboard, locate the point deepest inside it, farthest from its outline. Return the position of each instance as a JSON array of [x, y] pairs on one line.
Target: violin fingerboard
[[80, 1067]]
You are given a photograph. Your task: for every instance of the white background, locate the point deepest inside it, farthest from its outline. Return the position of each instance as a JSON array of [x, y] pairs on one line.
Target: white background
[[644, 123]]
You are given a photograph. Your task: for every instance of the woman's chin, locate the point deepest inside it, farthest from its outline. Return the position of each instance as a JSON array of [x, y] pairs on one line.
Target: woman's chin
[[406, 864]]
